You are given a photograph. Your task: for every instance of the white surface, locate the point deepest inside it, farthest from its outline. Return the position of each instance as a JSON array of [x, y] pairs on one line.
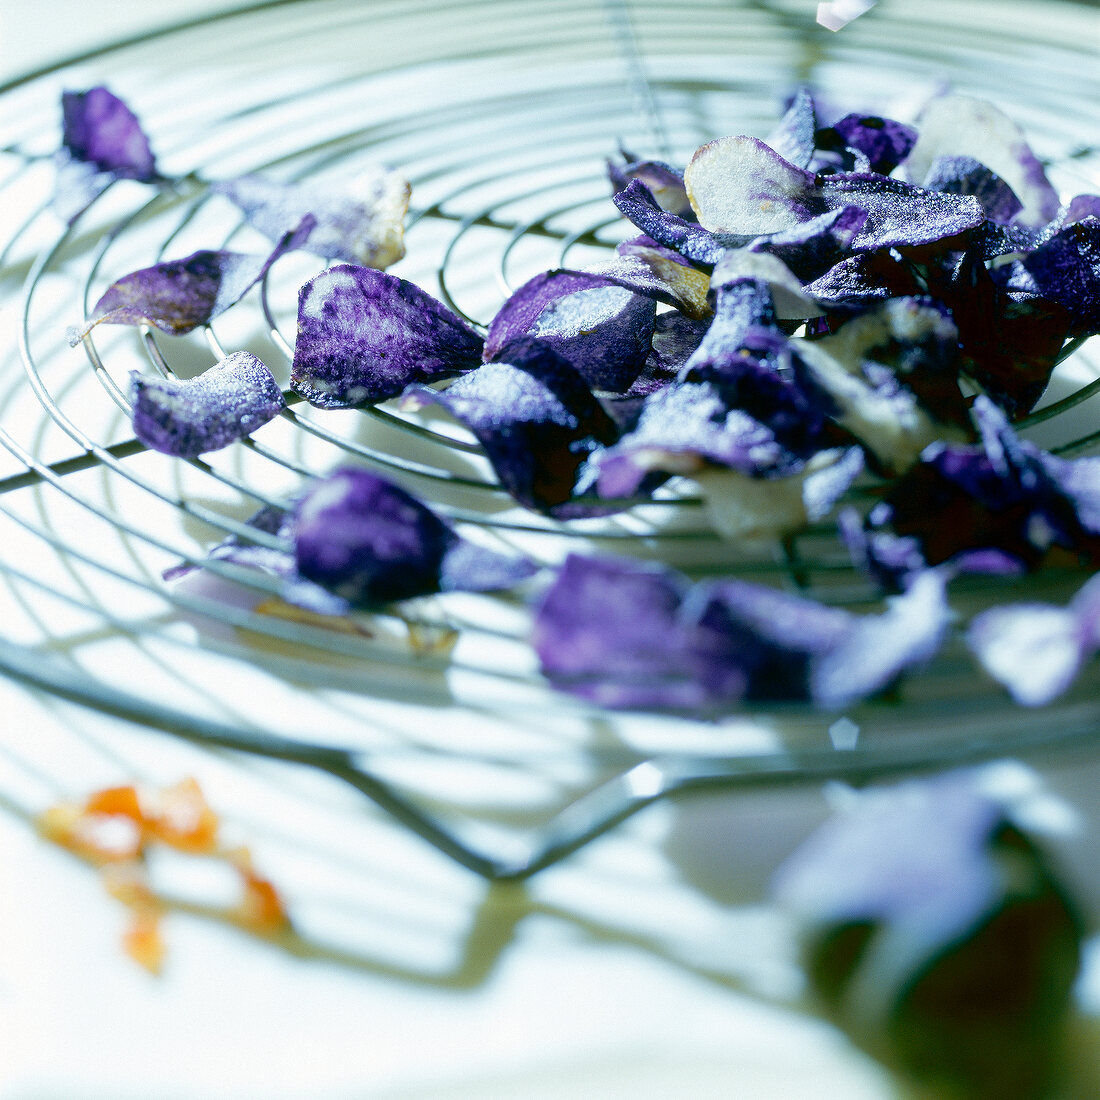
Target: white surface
[[646, 967]]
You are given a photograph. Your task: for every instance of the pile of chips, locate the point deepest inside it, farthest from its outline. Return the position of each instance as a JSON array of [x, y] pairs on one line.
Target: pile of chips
[[860, 299]]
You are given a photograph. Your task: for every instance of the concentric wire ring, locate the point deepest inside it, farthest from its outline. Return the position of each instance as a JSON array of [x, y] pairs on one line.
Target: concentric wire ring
[[501, 113]]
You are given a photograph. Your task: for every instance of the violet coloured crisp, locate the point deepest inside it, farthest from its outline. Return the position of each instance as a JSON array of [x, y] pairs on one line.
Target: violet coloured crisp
[[190, 417], [363, 336], [178, 296]]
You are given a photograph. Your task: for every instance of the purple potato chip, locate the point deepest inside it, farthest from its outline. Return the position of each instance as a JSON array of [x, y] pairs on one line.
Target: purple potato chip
[[359, 220], [961, 175], [369, 542], [363, 336], [858, 280], [1066, 270], [604, 330], [101, 130], [959, 125], [685, 237], [189, 417], [812, 248], [535, 416], [664, 182], [794, 138], [627, 634], [681, 429], [1034, 650], [615, 633], [180, 295], [884, 142], [1004, 494]]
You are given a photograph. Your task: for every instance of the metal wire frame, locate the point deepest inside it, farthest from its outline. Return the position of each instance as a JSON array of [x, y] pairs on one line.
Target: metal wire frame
[[668, 114]]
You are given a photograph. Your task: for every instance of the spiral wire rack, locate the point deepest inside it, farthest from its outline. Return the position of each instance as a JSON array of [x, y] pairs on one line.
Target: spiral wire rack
[[501, 113]]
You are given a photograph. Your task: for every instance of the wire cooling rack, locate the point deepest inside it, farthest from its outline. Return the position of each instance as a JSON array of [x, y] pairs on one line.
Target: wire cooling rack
[[501, 113]]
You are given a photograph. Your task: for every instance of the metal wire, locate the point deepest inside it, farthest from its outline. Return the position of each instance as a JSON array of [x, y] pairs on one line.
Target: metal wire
[[501, 113]]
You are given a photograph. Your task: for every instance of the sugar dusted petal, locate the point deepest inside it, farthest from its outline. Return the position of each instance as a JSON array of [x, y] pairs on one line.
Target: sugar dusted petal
[[826, 478], [369, 542], [888, 559], [835, 657], [884, 142], [101, 130], [1034, 650], [793, 138], [959, 125], [190, 417], [681, 429], [892, 373], [470, 567], [535, 416], [812, 248], [899, 214], [961, 175], [686, 237], [180, 295], [878, 648], [359, 220], [739, 185], [757, 368], [741, 506], [1066, 270], [841, 874], [660, 273], [781, 618], [363, 336], [675, 339], [627, 634], [915, 860], [1009, 341], [766, 270], [665, 183], [862, 278], [270, 520], [614, 632], [604, 330], [1004, 494], [1076, 210]]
